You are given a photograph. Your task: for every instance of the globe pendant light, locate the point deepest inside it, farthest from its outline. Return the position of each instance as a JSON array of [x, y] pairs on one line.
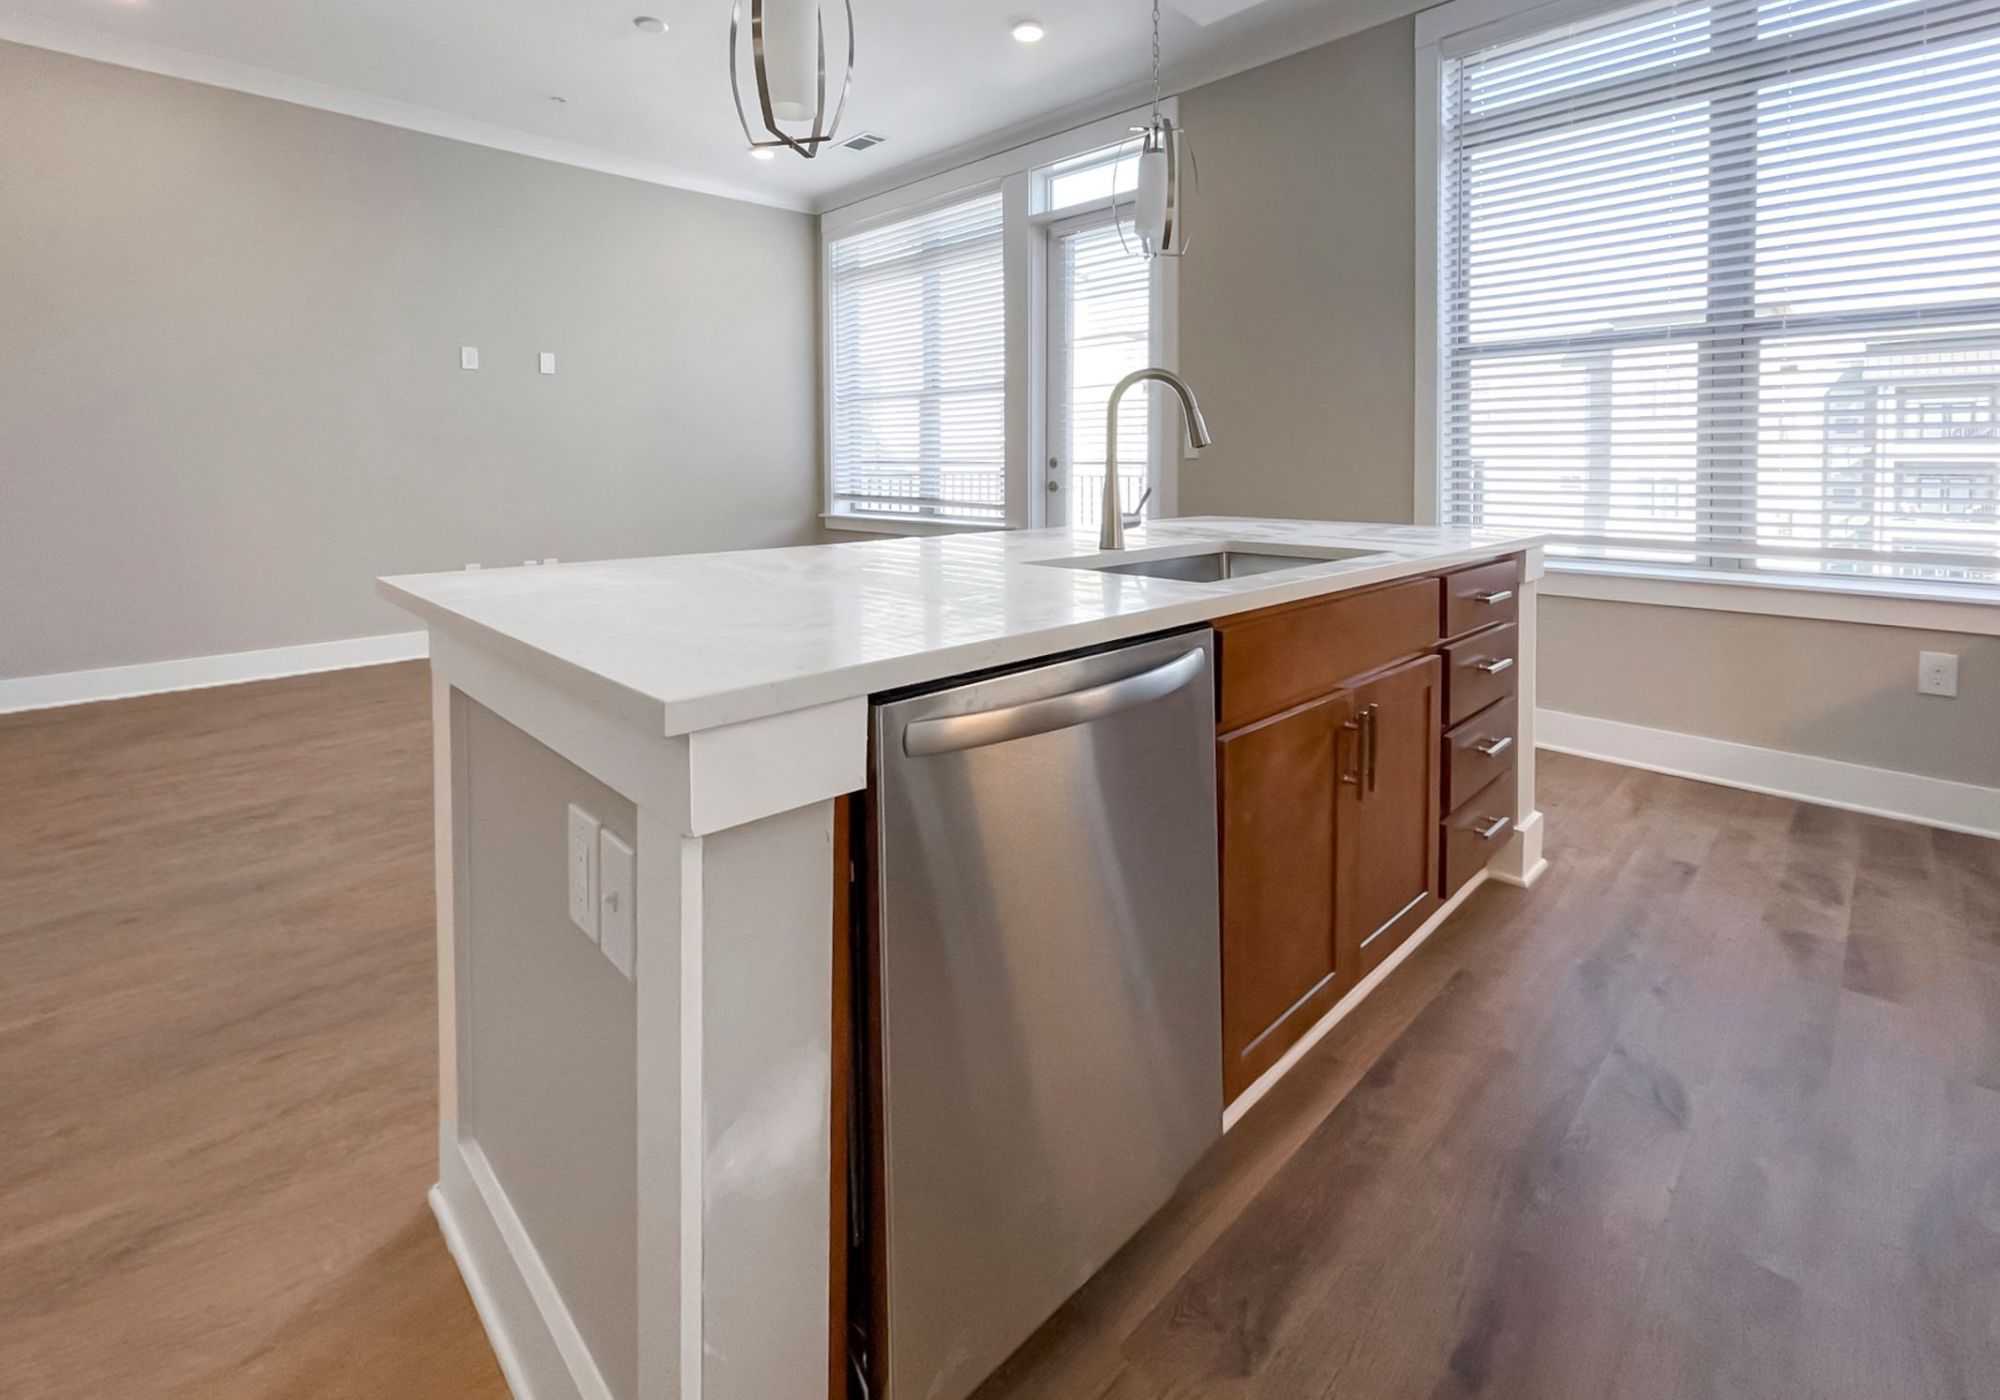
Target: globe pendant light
[[788, 68], [1159, 203]]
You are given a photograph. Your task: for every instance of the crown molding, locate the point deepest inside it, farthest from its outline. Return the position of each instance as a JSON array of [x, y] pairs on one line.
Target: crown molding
[[148, 57]]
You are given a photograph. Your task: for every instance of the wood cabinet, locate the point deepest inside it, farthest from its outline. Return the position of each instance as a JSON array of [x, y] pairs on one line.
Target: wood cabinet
[[1276, 790], [1386, 843], [1329, 775]]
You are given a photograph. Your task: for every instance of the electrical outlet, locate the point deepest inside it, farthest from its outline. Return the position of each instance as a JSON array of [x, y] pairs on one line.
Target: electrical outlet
[[548, 362], [468, 357], [583, 870], [620, 889], [1937, 673]]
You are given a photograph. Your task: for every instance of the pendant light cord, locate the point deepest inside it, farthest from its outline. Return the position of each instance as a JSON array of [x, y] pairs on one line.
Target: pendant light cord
[[1156, 61]]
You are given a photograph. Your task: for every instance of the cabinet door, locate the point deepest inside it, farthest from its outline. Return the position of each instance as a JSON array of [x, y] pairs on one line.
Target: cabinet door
[[1276, 785], [1387, 822]]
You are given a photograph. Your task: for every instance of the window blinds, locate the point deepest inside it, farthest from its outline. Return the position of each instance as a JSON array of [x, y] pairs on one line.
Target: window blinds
[[1103, 331], [1720, 287], [917, 338]]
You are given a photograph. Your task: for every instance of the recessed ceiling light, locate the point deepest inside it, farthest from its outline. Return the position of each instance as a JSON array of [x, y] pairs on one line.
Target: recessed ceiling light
[[762, 153], [646, 24], [1029, 31]]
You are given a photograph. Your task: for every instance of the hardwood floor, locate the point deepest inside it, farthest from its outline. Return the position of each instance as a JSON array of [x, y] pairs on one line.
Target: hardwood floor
[[1713, 1111], [217, 1050]]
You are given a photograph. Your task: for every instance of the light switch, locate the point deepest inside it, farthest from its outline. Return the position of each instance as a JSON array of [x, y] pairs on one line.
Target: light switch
[[468, 357], [615, 911], [548, 362], [583, 870]]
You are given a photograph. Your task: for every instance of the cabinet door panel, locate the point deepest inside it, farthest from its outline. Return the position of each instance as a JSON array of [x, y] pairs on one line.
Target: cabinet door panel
[[1276, 783], [1388, 821]]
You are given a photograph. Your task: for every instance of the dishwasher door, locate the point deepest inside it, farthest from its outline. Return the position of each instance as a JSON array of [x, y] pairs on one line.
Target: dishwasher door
[[1049, 988]]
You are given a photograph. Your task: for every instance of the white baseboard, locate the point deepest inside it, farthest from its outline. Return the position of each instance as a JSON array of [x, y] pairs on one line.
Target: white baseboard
[[541, 1353], [1233, 1113], [1882, 792], [196, 672]]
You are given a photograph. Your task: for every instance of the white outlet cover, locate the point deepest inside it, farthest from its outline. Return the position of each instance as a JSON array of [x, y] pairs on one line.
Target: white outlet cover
[[468, 357], [615, 909], [583, 870], [1937, 673], [548, 362]]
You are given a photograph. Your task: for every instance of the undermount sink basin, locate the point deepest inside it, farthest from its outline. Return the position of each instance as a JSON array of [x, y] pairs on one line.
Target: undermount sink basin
[[1225, 562]]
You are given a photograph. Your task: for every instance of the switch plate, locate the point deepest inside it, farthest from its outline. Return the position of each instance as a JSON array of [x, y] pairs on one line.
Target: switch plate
[[583, 879], [468, 357], [1937, 673], [615, 909], [548, 362]]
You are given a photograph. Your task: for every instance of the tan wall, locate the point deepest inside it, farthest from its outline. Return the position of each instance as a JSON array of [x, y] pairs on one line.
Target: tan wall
[[1298, 309], [229, 383], [1297, 294], [1834, 689]]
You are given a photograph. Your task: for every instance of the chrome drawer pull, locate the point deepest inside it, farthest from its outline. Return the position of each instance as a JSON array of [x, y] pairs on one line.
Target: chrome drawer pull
[[1493, 748], [1494, 828], [1495, 667], [1491, 598]]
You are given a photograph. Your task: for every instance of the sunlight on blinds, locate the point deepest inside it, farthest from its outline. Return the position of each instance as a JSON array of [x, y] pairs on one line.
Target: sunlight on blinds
[[1104, 309]]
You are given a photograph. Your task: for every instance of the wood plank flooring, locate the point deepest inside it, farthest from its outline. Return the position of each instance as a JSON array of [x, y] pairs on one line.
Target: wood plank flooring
[[1713, 1111], [217, 1050]]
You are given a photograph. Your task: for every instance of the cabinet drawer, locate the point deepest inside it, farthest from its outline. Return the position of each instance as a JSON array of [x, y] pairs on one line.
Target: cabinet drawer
[[1477, 672], [1477, 752], [1481, 596], [1281, 657], [1475, 833]]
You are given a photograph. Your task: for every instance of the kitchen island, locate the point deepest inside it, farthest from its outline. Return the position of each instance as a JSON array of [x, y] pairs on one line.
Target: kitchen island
[[636, 1140]]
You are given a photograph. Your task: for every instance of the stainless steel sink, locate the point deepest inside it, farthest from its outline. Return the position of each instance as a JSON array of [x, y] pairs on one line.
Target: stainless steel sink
[[1225, 562]]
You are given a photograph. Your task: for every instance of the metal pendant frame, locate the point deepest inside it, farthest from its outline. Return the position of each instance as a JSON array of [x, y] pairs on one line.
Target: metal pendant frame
[[1162, 133], [806, 144]]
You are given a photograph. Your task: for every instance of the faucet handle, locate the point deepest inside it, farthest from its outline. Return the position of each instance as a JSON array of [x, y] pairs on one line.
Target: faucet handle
[[1138, 512]]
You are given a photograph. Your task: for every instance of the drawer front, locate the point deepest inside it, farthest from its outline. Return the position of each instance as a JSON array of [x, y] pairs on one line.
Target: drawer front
[[1282, 657], [1475, 833], [1481, 596], [1478, 751], [1479, 671]]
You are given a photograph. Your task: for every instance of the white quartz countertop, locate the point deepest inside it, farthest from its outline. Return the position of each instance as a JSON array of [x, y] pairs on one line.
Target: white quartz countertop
[[693, 641]]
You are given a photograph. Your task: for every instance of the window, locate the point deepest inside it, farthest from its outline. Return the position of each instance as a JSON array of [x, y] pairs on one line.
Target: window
[[917, 367], [1100, 330], [1719, 287]]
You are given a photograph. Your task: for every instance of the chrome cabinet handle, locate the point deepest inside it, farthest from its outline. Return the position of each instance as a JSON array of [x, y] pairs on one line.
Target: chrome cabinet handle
[[950, 733], [1493, 598], [1494, 828], [1495, 666], [1369, 717], [1350, 779], [1493, 748]]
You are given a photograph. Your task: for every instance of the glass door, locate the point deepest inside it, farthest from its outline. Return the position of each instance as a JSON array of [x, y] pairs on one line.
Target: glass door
[[1100, 324]]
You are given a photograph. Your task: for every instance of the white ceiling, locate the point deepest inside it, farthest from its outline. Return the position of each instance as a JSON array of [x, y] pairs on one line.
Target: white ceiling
[[934, 76]]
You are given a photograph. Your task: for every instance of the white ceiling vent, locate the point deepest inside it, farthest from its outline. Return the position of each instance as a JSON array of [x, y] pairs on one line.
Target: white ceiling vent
[[866, 141]]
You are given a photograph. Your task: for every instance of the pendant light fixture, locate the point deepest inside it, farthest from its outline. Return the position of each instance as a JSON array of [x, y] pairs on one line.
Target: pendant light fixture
[[787, 65], [1159, 204]]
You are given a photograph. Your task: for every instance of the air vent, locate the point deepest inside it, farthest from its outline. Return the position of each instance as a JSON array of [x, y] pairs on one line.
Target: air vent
[[867, 140]]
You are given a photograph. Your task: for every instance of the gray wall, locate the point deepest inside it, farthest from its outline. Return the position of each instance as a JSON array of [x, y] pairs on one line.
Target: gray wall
[[1298, 310], [548, 1033], [1298, 293], [229, 383]]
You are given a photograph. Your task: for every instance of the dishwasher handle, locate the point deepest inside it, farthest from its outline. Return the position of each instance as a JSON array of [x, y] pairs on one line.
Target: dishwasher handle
[[952, 733]]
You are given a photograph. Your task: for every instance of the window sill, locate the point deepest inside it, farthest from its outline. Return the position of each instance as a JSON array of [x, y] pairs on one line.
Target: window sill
[[1975, 612], [846, 522]]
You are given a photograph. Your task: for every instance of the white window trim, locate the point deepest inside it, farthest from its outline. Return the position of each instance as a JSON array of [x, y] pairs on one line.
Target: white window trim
[[1025, 277], [1458, 27]]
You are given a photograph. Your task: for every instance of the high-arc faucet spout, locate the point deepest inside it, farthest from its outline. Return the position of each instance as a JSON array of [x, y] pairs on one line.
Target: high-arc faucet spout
[[1111, 535]]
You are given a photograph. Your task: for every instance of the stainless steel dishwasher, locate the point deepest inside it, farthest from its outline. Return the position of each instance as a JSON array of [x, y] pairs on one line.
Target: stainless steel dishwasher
[[1049, 992]]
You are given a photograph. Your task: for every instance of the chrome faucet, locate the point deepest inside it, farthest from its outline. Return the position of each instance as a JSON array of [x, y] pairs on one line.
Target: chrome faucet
[[1112, 534]]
